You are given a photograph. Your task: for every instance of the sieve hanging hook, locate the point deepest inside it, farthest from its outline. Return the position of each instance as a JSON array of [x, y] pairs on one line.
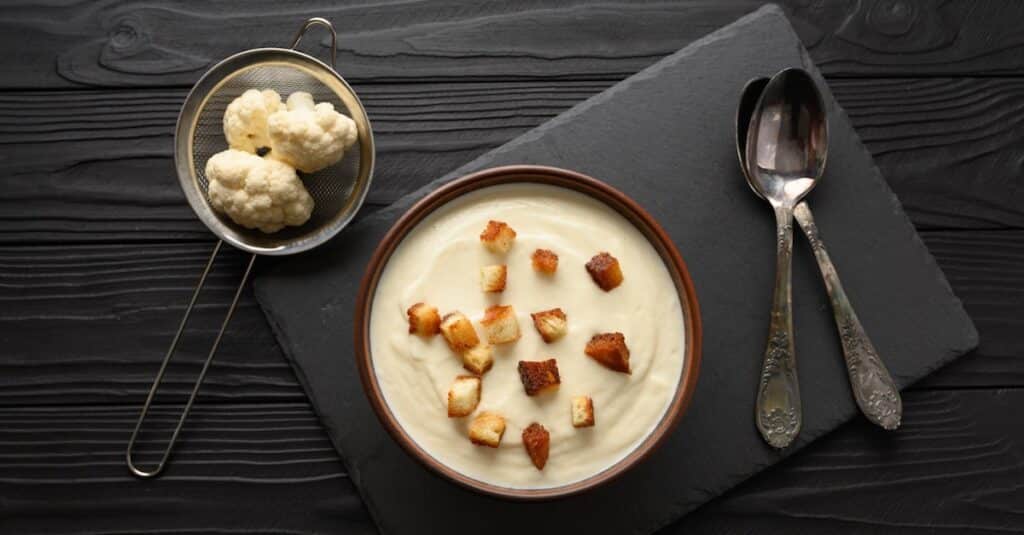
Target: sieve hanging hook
[[330, 27]]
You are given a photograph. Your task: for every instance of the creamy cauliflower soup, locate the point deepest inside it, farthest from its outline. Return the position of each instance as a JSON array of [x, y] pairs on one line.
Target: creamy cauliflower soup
[[439, 263]]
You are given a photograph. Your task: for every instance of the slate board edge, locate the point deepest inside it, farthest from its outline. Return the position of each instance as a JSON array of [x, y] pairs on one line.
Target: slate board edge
[[879, 180], [394, 210], [300, 374]]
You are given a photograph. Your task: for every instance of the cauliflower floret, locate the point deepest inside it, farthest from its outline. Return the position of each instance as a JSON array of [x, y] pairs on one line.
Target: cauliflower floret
[[245, 120], [309, 136], [257, 192]]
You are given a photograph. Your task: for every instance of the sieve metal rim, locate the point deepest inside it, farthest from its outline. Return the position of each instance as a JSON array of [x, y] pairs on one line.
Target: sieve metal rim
[[188, 118]]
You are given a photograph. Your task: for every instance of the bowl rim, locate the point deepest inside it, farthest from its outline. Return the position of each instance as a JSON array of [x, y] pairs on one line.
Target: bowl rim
[[578, 182]]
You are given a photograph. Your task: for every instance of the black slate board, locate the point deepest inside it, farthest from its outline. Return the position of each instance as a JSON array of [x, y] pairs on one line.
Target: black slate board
[[664, 137]]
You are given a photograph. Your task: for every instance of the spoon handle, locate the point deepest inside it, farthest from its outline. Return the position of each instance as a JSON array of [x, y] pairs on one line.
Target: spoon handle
[[873, 387], [778, 395]]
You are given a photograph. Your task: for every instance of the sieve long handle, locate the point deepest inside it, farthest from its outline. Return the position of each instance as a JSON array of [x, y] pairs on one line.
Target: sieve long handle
[[202, 374], [330, 27]]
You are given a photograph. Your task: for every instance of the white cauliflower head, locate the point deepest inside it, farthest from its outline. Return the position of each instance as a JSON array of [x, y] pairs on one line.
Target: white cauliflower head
[[257, 192], [245, 120], [309, 136]]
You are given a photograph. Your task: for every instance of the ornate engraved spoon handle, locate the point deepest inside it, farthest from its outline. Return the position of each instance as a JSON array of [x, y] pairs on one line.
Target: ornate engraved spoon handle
[[873, 387], [778, 412]]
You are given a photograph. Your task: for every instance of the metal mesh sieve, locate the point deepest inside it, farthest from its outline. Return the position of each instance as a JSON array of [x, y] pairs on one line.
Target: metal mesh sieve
[[338, 191]]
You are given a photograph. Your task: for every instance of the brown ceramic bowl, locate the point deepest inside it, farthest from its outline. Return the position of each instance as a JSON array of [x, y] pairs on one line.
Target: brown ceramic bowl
[[555, 177]]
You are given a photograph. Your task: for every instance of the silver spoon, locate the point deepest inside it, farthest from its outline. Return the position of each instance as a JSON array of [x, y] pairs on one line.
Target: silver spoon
[[785, 154], [872, 386]]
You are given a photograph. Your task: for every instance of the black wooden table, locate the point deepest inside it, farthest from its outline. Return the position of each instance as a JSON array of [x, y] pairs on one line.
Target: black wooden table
[[99, 250]]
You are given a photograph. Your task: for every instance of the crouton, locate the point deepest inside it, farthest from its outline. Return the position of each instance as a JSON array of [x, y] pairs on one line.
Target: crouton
[[551, 324], [498, 237], [539, 376], [492, 278], [610, 350], [463, 396], [423, 320], [537, 441], [582, 411], [545, 261], [458, 331], [479, 359], [487, 429], [604, 269], [500, 324]]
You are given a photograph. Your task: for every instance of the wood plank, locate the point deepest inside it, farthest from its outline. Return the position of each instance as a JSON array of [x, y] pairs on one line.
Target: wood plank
[[90, 323], [97, 165], [949, 147], [952, 466], [252, 468], [171, 42], [955, 466]]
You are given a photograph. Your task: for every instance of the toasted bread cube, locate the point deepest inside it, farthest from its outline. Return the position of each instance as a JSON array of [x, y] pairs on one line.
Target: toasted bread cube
[[424, 320], [539, 376], [487, 429], [458, 331], [610, 350], [604, 269], [479, 359], [500, 324], [545, 261], [492, 278], [498, 237], [537, 442], [551, 324], [582, 411], [463, 396]]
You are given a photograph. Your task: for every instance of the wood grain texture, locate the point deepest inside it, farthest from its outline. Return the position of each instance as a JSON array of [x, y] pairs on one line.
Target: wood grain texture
[[107, 43], [986, 270], [171, 42], [250, 468], [955, 466], [234, 460], [936, 136], [90, 324], [97, 165]]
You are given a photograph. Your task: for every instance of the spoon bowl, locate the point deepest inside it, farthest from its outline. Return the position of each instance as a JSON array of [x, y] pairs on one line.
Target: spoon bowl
[[748, 103], [787, 138]]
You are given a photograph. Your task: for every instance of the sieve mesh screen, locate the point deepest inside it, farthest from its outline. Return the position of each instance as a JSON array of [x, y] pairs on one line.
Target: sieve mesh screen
[[330, 188]]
